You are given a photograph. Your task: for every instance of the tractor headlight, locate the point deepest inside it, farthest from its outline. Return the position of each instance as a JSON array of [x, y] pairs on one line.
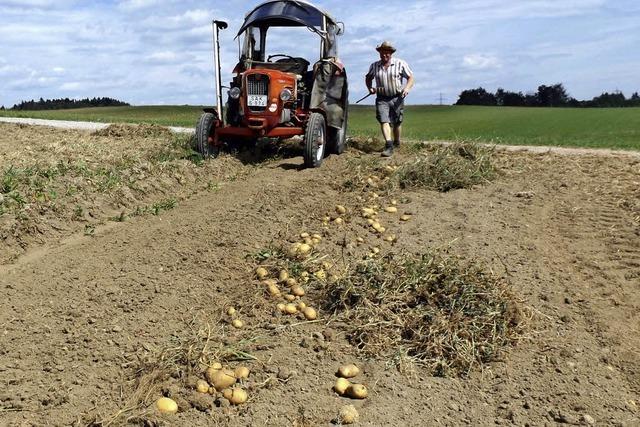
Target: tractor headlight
[[234, 92], [286, 95]]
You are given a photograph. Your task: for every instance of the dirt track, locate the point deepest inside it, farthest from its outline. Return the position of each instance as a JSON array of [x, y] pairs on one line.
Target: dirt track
[[80, 311]]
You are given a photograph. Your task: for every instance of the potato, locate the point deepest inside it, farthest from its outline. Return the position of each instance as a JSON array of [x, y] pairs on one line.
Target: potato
[[357, 391], [211, 371], [348, 415], [237, 323], [236, 396], [394, 202], [341, 386], [297, 291], [315, 241], [223, 378], [304, 249], [310, 313], [405, 217], [338, 221], [262, 273], [166, 405], [280, 307], [291, 282], [294, 249], [390, 238], [202, 386], [290, 309], [341, 209], [391, 209], [302, 306], [360, 240], [316, 237], [231, 311], [242, 372], [273, 290], [320, 274], [375, 250], [304, 235], [283, 276], [348, 371], [290, 297]]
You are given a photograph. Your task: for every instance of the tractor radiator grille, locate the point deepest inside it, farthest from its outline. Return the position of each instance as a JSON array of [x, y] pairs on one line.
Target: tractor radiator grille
[[257, 84]]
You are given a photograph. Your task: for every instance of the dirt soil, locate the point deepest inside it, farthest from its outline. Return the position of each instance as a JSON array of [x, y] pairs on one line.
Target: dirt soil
[[89, 301]]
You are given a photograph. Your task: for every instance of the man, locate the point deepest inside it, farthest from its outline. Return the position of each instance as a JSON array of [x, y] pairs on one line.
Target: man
[[394, 80]]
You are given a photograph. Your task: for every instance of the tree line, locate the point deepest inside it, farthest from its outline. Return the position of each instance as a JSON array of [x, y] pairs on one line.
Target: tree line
[[66, 103], [547, 96]]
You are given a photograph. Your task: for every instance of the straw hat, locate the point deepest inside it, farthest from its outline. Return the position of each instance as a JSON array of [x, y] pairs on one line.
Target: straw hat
[[386, 46]]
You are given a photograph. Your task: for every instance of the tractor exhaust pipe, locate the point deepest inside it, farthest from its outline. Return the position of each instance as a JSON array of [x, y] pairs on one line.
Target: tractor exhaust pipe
[[217, 26]]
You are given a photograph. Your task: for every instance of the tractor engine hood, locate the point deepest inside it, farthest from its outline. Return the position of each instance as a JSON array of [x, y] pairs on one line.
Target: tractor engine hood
[[286, 13]]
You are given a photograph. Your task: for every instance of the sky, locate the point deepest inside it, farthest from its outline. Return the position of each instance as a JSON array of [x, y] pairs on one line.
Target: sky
[[159, 52]]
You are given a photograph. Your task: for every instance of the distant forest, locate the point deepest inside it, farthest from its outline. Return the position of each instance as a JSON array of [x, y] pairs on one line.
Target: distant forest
[[546, 96], [65, 103]]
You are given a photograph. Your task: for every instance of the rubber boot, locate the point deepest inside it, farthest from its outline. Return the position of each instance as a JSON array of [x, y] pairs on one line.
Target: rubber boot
[[388, 149]]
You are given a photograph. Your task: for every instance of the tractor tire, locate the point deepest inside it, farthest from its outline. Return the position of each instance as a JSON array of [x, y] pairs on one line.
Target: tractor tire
[[315, 141], [337, 138], [205, 129]]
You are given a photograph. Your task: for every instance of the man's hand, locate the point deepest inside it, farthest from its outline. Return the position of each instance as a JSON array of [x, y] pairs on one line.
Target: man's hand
[[372, 90], [405, 92]]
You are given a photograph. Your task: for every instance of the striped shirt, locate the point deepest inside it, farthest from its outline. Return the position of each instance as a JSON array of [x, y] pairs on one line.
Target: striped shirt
[[389, 81]]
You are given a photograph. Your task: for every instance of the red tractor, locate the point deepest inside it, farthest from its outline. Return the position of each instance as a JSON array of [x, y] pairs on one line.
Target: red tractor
[[280, 96]]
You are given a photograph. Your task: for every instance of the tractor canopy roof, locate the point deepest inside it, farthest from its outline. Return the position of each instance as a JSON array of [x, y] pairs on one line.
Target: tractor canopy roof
[[287, 13]]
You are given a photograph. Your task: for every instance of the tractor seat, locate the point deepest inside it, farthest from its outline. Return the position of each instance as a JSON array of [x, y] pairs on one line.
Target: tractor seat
[[296, 65]]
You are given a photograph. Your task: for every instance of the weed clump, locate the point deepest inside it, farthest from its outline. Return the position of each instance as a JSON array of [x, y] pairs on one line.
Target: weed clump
[[121, 130], [442, 313], [449, 167]]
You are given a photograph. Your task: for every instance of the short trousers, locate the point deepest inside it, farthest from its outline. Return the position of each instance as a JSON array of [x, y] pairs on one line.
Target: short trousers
[[390, 109]]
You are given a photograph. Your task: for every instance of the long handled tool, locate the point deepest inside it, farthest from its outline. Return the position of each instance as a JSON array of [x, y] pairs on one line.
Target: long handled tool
[[363, 98]]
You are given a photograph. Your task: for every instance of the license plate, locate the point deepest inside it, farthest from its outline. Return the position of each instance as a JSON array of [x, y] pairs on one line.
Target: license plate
[[257, 100]]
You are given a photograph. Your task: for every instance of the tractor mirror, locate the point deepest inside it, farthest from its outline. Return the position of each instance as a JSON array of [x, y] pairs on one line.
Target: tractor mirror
[[340, 28], [221, 24]]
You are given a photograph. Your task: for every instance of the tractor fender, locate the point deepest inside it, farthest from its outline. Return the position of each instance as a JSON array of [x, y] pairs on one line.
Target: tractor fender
[[212, 111]]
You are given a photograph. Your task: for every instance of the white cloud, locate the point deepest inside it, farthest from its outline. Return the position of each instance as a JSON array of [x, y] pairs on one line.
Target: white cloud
[[478, 61]]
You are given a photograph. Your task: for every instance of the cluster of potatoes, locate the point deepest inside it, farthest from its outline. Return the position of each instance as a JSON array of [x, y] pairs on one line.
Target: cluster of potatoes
[[344, 387], [219, 380], [293, 289]]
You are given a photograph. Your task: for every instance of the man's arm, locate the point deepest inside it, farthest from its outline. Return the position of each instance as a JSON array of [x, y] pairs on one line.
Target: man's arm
[[368, 80], [409, 86]]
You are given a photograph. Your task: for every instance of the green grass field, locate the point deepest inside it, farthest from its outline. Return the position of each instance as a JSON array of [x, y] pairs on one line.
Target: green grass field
[[573, 127]]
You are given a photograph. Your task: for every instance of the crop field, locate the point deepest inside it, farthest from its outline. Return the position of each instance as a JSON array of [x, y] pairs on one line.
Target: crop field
[[448, 285], [569, 127]]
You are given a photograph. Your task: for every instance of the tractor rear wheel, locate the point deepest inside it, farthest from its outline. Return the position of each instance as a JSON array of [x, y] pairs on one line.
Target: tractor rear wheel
[[337, 138], [315, 140], [205, 130]]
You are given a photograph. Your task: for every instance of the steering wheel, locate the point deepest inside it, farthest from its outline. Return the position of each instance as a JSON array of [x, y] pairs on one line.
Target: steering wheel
[[277, 55]]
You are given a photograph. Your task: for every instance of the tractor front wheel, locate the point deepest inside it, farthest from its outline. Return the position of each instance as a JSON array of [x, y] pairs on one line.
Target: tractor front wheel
[[205, 131], [315, 141]]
